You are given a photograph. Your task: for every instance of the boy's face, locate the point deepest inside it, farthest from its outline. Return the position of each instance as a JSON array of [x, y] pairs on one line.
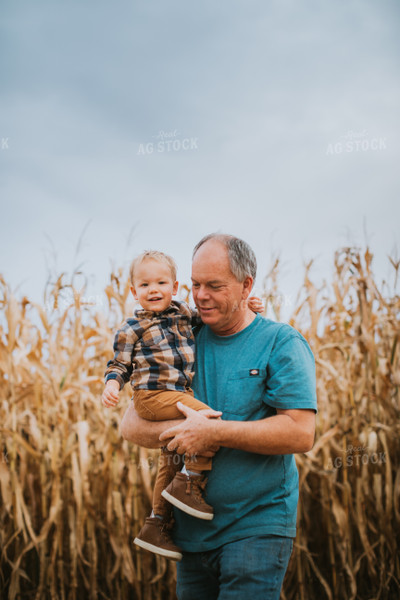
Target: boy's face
[[153, 285]]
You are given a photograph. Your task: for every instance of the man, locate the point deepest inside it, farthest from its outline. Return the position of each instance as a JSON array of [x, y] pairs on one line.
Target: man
[[261, 375]]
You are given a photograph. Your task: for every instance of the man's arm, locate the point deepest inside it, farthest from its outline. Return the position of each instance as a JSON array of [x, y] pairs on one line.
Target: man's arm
[[142, 432], [147, 433], [288, 432]]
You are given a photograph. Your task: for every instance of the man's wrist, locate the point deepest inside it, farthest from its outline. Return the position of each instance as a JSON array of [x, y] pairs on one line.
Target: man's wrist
[[216, 431]]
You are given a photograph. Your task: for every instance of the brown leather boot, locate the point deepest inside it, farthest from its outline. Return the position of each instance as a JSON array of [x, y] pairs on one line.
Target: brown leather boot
[[155, 536], [186, 493]]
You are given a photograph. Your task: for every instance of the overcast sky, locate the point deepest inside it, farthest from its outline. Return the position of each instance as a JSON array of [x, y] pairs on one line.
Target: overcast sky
[[149, 124]]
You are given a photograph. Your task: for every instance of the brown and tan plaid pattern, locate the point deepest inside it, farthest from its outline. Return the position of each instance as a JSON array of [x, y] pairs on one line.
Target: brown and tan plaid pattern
[[155, 351]]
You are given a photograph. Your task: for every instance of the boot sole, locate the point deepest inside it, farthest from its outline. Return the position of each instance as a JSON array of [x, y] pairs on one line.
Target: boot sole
[[157, 550], [185, 508]]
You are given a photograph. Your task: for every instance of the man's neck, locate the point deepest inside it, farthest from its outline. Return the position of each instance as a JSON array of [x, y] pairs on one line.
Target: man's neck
[[238, 323]]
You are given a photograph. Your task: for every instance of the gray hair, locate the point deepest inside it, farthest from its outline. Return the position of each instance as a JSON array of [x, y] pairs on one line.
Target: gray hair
[[242, 260]]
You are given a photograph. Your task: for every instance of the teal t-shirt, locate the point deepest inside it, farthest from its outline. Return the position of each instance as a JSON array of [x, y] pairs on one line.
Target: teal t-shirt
[[248, 375]]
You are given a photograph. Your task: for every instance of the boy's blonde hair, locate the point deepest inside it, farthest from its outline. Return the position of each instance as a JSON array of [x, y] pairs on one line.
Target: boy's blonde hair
[[154, 255]]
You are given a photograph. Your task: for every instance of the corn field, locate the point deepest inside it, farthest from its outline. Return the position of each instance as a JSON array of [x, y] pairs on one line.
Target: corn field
[[73, 494]]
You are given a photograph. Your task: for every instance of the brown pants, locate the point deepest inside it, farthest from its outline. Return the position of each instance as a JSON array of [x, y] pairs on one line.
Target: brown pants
[[160, 405]]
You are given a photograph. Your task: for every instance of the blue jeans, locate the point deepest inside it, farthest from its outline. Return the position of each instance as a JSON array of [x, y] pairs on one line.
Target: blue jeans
[[250, 568]]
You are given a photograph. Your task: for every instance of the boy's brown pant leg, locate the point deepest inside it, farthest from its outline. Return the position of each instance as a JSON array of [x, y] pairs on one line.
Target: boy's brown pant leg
[[160, 405], [170, 463]]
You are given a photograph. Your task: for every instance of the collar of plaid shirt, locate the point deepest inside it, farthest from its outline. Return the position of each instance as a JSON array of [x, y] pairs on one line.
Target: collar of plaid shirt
[[173, 308]]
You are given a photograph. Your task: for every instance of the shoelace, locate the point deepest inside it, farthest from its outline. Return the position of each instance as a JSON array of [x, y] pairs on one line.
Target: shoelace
[[197, 485]]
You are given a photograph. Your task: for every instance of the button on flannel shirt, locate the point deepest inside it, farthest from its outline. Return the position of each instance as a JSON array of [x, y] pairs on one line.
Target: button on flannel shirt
[[155, 350]]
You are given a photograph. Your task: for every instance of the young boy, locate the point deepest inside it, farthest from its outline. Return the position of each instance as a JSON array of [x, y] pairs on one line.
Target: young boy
[[155, 351]]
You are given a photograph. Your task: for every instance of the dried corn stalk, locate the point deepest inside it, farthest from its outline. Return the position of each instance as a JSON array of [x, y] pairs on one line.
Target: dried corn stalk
[[73, 493]]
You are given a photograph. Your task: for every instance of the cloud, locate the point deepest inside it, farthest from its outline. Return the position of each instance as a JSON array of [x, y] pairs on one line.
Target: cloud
[[260, 90]]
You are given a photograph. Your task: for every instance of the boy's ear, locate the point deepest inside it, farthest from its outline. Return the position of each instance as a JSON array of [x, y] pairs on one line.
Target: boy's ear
[[175, 288], [133, 291]]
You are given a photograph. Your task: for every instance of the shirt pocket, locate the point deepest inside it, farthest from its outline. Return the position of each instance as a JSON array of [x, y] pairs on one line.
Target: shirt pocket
[[245, 391]]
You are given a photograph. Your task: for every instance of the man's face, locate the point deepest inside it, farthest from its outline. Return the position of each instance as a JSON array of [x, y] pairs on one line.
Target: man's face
[[153, 286], [220, 298]]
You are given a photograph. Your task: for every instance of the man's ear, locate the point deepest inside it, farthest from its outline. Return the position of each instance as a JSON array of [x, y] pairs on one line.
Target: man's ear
[[247, 286], [133, 291], [175, 288]]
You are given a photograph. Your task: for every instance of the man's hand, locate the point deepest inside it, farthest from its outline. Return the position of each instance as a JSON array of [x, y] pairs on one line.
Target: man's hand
[[194, 435], [110, 395]]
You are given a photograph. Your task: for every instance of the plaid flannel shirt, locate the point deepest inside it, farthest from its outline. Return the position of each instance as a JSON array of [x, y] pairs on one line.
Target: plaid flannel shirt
[[155, 350]]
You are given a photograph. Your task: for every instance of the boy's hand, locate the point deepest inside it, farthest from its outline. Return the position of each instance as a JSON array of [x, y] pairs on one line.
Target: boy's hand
[[255, 304], [110, 395]]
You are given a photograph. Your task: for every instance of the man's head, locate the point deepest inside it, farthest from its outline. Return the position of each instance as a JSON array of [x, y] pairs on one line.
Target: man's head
[[153, 279], [223, 272]]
